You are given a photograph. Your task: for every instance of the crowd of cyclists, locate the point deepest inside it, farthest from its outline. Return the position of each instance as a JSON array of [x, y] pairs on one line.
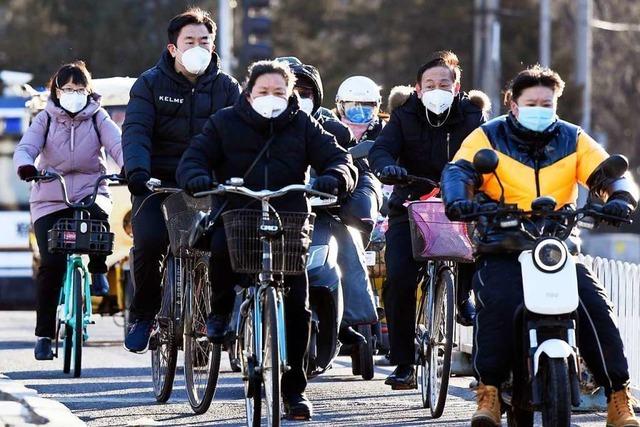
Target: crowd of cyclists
[[191, 125]]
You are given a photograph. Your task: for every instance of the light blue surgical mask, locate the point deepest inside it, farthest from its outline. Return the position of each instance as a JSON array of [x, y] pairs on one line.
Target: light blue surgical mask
[[359, 114], [536, 118]]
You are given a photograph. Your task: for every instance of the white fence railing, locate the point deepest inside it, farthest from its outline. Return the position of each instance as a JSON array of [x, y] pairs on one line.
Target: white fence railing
[[622, 282]]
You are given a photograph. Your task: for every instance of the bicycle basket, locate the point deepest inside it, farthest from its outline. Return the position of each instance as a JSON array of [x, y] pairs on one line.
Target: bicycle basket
[[434, 236], [289, 250], [80, 236], [181, 214]]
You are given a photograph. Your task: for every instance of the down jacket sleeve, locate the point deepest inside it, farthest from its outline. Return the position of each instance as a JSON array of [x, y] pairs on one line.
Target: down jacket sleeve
[[388, 145], [327, 157], [31, 143], [202, 156], [110, 136], [138, 128]]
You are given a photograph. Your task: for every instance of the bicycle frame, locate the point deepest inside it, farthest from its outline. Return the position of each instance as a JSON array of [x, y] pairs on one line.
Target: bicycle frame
[[66, 294]]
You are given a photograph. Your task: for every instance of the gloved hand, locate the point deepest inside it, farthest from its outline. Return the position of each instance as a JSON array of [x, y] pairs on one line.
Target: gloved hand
[[26, 172], [199, 183], [393, 172], [137, 183], [460, 208], [618, 207], [327, 184]]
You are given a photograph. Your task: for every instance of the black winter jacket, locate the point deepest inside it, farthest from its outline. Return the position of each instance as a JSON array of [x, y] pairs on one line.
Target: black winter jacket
[[233, 137], [166, 110], [411, 142]]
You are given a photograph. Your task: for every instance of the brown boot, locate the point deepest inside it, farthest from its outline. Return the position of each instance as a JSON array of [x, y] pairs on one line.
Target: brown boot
[[620, 410], [488, 413]]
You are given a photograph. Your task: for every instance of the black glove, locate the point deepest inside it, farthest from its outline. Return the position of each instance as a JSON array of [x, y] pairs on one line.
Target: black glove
[[137, 183], [327, 184], [393, 171], [618, 207], [460, 208], [199, 183], [27, 172]]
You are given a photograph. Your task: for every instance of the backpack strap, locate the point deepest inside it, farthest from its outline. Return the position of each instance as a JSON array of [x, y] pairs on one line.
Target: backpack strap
[[94, 119], [46, 128]]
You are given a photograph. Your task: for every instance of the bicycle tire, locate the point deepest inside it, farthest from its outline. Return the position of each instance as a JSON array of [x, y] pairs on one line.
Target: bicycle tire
[[251, 383], [165, 354], [271, 371], [78, 321], [201, 357], [365, 353], [67, 346], [441, 320], [421, 337]]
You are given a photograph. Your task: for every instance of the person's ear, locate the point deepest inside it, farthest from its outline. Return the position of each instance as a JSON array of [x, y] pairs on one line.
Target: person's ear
[[514, 108], [173, 50], [418, 89], [456, 88]]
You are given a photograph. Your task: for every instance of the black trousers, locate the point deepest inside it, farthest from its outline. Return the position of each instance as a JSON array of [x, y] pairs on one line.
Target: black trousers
[[399, 291], [53, 268], [150, 243], [297, 313], [498, 289]]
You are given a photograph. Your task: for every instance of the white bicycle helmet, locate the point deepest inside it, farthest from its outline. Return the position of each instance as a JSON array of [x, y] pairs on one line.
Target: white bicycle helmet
[[358, 89]]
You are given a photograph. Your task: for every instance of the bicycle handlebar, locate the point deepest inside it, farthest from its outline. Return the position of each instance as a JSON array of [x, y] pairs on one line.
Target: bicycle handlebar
[[261, 195], [409, 179], [51, 176]]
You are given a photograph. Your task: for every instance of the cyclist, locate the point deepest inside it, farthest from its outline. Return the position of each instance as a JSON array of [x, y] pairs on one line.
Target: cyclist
[[539, 155], [68, 138], [358, 209], [358, 106], [169, 104], [267, 114], [421, 136]]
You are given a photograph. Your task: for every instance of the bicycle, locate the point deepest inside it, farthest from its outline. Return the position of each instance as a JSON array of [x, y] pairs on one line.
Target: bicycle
[[435, 312], [74, 237], [186, 303], [266, 244]]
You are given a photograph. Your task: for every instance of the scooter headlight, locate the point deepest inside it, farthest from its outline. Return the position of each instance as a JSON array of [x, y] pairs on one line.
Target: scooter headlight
[[550, 255], [317, 256]]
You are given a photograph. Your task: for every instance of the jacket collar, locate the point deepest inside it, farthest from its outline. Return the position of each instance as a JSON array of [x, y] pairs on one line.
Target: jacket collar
[[167, 66], [414, 105], [529, 138], [260, 123]]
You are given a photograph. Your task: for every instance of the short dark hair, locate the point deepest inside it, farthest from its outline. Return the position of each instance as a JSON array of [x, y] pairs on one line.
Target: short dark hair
[[76, 72], [267, 67], [536, 75], [194, 15], [442, 58]]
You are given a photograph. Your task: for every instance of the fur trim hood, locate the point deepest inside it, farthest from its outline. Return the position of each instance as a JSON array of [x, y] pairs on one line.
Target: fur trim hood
[[399, 95]]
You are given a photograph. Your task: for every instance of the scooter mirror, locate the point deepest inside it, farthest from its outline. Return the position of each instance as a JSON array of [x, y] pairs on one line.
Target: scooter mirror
[[485, 161], [615, 166], [361, 150]]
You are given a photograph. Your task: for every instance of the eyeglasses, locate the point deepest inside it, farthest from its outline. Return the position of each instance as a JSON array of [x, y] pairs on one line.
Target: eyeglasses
[[69, 91]]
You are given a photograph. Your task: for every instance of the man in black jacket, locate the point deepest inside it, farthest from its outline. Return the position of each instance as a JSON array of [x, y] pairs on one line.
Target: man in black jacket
[[419, 139], [169, 104], [265, 128]]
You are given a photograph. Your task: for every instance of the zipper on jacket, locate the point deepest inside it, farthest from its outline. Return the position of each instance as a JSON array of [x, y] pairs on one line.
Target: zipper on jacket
[[73, 135], [448, 147], [193, 95]]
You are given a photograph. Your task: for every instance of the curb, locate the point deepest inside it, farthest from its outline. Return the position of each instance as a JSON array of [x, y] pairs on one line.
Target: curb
[[21, 406]]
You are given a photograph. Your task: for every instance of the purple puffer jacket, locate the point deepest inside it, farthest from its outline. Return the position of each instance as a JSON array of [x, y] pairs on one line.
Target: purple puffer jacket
[[73, 150]]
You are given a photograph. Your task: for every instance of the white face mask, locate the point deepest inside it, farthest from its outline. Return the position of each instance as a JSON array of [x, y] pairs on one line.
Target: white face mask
[[73, 102], [269, 106], [306, 105], [195, 60], [437, 100]]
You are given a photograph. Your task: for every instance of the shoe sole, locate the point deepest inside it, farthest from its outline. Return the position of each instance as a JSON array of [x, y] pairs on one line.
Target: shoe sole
[[134, 351], [484, 422]]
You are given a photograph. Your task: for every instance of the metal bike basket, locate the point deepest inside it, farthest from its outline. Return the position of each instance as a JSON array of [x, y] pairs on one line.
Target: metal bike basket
[[181, 214], [289, 250], [80, 236]]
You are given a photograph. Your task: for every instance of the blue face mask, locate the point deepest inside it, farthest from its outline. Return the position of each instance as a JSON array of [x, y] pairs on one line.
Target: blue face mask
[[359, 114], [536, 118]]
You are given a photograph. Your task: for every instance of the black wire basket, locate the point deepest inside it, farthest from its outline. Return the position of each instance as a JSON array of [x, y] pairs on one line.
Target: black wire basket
[[182, 214], [80, 236], [289, 247]]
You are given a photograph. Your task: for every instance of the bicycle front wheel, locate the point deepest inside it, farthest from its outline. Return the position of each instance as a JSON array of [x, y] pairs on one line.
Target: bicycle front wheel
[[201, 358], [78, 321], [250, 378], [441, 340], [422, 340], [271, 371]]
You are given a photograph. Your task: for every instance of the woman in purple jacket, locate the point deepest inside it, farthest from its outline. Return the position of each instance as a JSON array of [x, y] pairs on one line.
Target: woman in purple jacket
[[69, 137]]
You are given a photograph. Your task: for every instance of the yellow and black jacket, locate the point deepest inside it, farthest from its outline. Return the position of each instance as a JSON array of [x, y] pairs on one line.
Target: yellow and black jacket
[[531, 164]]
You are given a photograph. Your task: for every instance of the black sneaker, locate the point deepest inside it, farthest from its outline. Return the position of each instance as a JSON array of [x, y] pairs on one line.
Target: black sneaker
[[137, 339], [297, 407], [350, 336], [466, 313], [43, 349], [217, 328], [99, 285], [403, 378]]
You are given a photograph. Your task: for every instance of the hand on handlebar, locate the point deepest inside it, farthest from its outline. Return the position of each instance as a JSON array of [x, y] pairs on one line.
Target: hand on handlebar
[[327, 184], [198, 184], [137, 183], [618, 208], [393, 173], [461, 208], [27, 172]]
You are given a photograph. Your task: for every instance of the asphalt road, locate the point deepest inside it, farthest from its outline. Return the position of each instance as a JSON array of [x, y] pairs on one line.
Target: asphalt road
[[115, 388]]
